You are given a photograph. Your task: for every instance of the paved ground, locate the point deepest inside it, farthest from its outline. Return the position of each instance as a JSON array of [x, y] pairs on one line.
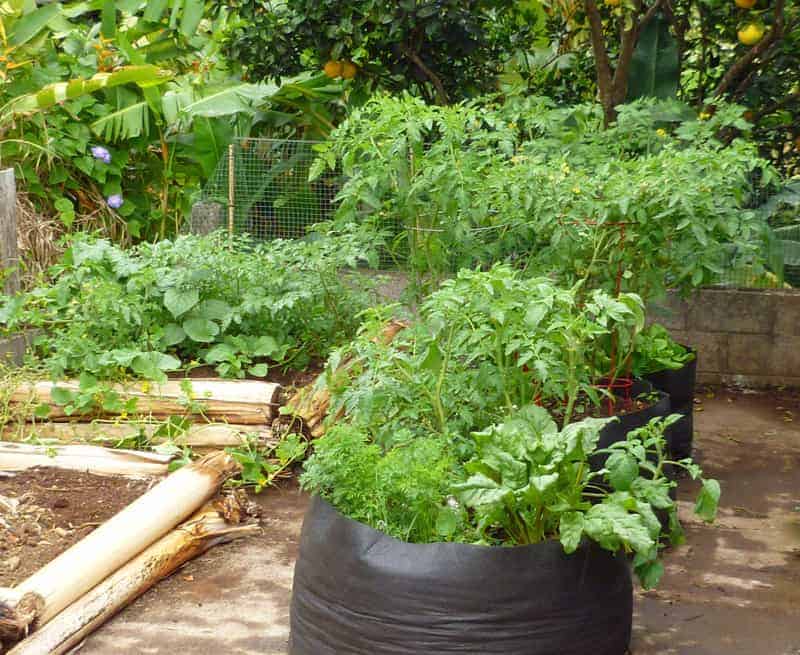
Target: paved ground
[[734, 589]]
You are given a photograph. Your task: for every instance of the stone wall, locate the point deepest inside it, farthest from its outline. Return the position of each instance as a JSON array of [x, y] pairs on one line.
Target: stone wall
[[744, 337]]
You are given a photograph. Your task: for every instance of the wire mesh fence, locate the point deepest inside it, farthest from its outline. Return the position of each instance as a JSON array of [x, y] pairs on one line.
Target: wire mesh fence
[[262, 188]]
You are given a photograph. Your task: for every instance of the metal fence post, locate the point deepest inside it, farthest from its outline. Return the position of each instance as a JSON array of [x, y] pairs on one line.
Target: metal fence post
[[9, 254]]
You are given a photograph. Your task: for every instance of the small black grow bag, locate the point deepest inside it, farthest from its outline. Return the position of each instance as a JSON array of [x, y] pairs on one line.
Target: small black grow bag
[[679, 384], [358, 591], [618, 430]]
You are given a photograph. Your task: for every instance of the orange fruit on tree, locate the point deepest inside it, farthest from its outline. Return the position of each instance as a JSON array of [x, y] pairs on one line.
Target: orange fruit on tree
[[333, 68], [745, 4], [751, 33], [349, 70]]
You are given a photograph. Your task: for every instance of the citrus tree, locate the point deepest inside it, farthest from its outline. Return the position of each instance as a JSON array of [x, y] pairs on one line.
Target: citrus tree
[[442, 49]]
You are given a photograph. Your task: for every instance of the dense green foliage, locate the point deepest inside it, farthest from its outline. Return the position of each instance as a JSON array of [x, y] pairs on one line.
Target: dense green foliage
[[177, 304], [653, 201], [163, 116], [485, 343], [444, 50]]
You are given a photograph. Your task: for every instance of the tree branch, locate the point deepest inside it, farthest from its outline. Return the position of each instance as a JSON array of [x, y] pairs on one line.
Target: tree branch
[[441, 93], [740, 66]]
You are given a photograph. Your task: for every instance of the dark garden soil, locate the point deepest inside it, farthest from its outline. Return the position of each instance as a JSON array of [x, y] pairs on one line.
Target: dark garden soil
[[44, 511]]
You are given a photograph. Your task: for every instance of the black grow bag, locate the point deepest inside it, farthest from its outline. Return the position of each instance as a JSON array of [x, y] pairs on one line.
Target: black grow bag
[[618, 430], [679, 384], [358, 591]]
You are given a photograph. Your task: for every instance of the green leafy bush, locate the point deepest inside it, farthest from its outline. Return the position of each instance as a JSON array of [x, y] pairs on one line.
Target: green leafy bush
[[177, 304], [485, 343], [655, 201]]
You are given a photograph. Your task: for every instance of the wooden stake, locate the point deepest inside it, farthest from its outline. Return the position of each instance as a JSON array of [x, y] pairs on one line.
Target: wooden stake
[[196, 435], [9, 254], [248, 402], [205, 529], [70, 575], [91, 459]]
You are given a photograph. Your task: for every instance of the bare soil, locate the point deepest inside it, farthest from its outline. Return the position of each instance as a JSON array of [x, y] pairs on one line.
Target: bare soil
[[44, 511]]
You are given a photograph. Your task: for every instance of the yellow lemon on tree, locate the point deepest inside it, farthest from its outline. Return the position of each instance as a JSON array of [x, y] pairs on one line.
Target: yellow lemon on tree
[[751, 34], [612, 3], [333, 68], [349, 70], [745, 4]]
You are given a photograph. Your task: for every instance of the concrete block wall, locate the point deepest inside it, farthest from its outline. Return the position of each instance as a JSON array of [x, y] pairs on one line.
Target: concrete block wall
[[745, 337]]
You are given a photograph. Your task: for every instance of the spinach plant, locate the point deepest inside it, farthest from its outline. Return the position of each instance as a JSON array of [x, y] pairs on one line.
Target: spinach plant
[[657, 351]]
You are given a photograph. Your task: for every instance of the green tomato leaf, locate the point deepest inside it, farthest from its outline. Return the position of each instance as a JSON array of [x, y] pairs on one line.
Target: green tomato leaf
[[201, 329]]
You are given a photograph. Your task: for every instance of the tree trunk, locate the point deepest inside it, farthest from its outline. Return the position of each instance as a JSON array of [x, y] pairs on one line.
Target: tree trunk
[[70, 575], [205, 529]]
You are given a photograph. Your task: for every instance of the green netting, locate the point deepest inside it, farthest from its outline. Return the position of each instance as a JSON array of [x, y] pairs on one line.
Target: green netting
[[266, 183]]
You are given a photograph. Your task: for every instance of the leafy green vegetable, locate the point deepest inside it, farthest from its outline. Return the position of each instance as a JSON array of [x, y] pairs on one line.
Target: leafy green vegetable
[[657, 351]]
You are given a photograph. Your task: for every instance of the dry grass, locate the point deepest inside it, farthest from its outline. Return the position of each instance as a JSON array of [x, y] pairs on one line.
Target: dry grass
[[40, 236]]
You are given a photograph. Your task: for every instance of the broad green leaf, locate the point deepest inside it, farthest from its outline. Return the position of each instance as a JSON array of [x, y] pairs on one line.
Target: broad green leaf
[[259, 370], [179, 301], [173, 335], [215, 310], [155, 10], [622, 470], [221, 352], [191, 16], [29, 25], [570, 530], [655, 67], [265, 346], [152, 365], [200, 329], [708, 500], [61, 396], [480, 490], [61, 91], [433, 359], [126, 123], [109, 19]]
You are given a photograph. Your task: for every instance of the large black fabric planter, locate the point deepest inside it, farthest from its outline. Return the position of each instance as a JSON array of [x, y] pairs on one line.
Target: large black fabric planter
[[679, 384], [358, 591]]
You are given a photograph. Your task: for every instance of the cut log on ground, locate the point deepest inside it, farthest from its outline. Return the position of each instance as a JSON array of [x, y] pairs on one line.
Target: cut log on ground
[[312, 402], [70, 575], [248, 402], [196, 435], [205, 529], [89, 459]]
